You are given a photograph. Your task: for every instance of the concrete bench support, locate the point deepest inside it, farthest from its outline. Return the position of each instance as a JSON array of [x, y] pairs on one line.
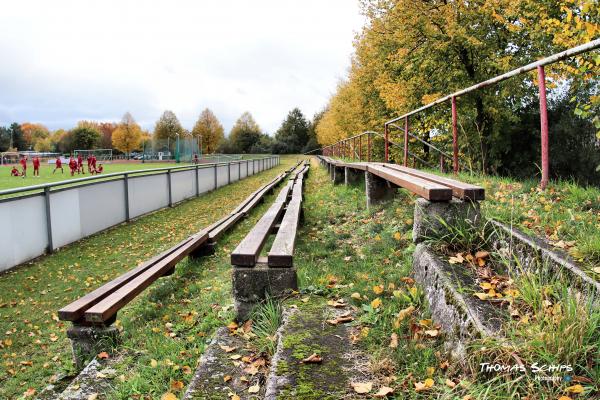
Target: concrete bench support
[[88, 341], [251, 286], [352, 176], [428, 215], [377, 189], [338, 175]]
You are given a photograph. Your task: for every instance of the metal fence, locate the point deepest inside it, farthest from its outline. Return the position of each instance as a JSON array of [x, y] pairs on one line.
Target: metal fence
[[43, 218]]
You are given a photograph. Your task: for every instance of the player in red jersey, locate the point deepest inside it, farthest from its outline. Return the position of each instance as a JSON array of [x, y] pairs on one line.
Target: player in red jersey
[[23, 163], [58, 165], [99, 169], [89, 163], [93, 162], [36, 166], [80, 169], [15, 171], [72, 165]]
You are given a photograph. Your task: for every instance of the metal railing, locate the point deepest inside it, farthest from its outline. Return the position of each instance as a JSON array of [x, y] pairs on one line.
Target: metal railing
[[337, 148]]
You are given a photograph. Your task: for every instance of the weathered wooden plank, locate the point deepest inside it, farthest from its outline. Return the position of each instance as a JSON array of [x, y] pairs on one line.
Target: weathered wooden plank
[[110, 305], [282, 250], [215, 231], [246, 253], [285, 192], [459, 189], [297, 190], [424, 188], [75, 310]]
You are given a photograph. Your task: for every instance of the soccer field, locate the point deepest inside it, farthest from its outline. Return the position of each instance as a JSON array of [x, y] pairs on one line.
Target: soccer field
[[46, 176]]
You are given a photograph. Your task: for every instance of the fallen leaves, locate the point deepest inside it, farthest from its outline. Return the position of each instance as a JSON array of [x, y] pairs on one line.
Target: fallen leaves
[[362, 387], [313, 359], [384, 391], [254, 388], [227, 349], [394, 340], [103, 355], [376, 303], [425, 385], [168, 396], [341, 319]]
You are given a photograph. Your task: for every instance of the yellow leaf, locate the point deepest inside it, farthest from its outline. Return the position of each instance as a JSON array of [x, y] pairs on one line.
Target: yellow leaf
[[234, 396], [429, 382], [376, 303], [378, 289], [176, 385], [430, 371], [227, 349], [432, 332], [564, 398], [254, 388], [575, 389], [362, 387], [355, 295], [397, 236], [168, 396], [481, 296], [485, 285], [226, 378], [92, 396], [153, 363], [596, 270]]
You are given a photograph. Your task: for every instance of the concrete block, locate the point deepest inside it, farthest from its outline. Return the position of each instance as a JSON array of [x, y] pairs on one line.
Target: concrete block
[[250, 286], [377, 189], [338, 175], [352, 176], [88, 341], [428, 216]]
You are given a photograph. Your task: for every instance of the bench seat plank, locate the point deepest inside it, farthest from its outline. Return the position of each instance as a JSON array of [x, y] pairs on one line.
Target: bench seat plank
[[223, 225], [282, 250], [110, 305], [247, 252], [459, 189], [429, 190], [75, 310]]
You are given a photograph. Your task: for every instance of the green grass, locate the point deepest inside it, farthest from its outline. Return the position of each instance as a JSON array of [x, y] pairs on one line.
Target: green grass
[[363, 255], [46, 175], [34, 349], [565, 214]]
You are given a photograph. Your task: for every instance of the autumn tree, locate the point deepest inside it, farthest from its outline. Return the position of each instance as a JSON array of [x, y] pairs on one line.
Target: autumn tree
[[32, 133], [244, 134], [127, 137], [209, 130], [412, 52], [167, 126]]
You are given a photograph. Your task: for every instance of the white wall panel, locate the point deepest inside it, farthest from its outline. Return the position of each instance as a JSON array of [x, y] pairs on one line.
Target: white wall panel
[[101, 206], [206, 179], [147, 193], [182, 185], [66, 222]]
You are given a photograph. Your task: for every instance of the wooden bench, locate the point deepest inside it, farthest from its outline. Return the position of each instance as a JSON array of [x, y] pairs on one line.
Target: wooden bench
[[281, 219], [424, 184], [100, 307]]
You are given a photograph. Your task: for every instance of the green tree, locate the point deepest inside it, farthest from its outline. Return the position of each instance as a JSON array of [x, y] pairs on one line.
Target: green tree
[[167, 126], [209, 130], [84, 138], [292, 135], [244, 134], [127, 137], [17, 140]]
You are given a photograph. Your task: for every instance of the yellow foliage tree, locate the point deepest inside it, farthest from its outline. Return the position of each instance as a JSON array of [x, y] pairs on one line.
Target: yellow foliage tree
[[209, 131], [128, 135]]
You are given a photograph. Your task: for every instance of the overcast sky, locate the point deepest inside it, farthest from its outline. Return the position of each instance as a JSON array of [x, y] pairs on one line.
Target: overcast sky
[[63, 61]]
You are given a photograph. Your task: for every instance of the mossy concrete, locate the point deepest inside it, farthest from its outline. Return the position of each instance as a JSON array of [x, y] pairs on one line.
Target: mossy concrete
[[303, 333], [215, 364], [428, 216], [462, 316], [95, 378], [535, 255]]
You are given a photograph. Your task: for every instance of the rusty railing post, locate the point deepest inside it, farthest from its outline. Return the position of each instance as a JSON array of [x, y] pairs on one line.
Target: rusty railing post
[[543, 124], [454, 136], [369, 147], [386, 156], [406, 141], [360, 148]]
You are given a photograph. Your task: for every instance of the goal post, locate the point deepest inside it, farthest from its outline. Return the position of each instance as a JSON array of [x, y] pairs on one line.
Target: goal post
[[102, 155]]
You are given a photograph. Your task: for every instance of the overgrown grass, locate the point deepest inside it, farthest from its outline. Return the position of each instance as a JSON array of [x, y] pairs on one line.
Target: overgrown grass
[[363, 255], [565, 214], [266, 319], [168, 322]]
